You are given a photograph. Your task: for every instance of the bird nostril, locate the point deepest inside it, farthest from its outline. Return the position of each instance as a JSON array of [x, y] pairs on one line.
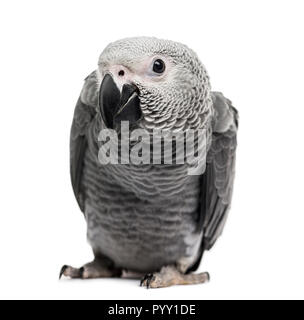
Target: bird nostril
[[121, 73]]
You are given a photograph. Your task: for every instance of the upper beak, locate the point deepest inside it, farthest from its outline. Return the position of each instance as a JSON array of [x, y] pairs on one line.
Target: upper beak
[[115, 106]]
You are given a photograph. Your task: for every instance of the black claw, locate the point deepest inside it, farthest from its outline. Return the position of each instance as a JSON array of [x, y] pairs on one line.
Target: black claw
[[62, 271], [148, 279], [208, 276], [81, 271]]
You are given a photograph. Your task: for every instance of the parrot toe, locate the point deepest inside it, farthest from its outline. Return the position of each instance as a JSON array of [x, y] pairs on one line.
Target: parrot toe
[[73, 273], [170, 276], [92, 270]]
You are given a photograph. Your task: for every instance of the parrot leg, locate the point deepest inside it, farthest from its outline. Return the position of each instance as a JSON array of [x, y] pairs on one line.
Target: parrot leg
[[170, 276], [98, 268]]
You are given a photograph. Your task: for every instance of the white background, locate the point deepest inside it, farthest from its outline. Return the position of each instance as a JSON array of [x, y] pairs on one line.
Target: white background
[[254, 53]]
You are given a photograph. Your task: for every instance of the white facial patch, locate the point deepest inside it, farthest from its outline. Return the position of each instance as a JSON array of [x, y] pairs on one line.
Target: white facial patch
[[139, 72]]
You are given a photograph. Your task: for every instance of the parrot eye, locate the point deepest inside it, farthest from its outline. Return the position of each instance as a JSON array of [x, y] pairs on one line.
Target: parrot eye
[[159, 66]]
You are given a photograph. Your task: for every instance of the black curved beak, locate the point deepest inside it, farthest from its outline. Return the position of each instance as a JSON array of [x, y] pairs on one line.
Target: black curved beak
[[115, 106]]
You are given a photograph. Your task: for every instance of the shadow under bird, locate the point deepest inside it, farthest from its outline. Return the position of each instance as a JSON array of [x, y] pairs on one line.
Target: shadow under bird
[[152, 219]]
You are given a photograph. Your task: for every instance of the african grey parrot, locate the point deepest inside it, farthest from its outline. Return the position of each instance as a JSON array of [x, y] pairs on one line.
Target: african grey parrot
[[153, 219]]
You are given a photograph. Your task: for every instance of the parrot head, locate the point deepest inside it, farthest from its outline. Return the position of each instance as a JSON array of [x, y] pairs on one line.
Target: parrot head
[[153, 84]]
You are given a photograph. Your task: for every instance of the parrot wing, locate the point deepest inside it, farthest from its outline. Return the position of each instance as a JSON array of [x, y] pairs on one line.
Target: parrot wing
[[84, 113], [217, 181]]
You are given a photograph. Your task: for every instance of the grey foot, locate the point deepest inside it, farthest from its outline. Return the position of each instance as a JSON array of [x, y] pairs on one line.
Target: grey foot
[[96, 269], [170, 276]]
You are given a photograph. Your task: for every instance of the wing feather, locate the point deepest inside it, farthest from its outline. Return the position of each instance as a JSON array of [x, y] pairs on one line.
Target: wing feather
[[83, 115], [217, 181]]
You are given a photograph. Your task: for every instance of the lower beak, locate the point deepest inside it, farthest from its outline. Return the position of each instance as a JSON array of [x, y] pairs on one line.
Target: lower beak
[[115, 106]]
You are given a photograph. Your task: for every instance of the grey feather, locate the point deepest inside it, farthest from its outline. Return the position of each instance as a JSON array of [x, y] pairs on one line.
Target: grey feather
[[217, 181], [83, 115], [144, 217]]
